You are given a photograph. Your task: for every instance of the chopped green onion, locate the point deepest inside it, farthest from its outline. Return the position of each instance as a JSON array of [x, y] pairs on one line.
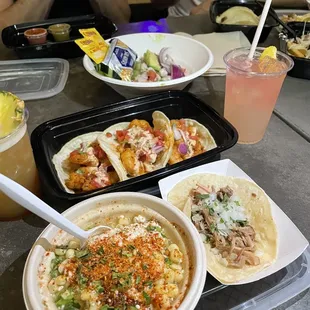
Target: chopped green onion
[[147, 298]]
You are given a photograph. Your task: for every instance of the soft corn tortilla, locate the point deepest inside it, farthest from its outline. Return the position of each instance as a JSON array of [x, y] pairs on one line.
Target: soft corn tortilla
[[238, 15], [110, 144], [206, 138], [59, 160], [258, 211]]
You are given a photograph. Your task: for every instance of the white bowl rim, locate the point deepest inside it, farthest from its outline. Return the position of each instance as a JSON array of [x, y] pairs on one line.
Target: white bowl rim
[[86, 61], [200, 260]]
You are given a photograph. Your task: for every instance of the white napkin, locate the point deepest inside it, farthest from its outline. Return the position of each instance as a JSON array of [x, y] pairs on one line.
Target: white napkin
[[220, 44]]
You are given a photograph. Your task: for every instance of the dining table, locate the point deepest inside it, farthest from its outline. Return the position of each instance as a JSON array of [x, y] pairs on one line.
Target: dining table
[[280, 163]]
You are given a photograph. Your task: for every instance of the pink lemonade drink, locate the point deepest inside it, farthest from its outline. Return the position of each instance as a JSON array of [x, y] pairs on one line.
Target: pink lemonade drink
[[252, 90]]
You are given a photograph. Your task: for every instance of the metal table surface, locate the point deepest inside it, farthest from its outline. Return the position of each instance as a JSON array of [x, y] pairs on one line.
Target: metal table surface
[[279, 163]]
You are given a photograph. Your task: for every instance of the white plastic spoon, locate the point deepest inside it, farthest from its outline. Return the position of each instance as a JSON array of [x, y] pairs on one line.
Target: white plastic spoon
[[31, 202]]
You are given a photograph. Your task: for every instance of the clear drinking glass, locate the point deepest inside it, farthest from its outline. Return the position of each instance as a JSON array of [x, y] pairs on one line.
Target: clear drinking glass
[[250, 95], [17, 162]]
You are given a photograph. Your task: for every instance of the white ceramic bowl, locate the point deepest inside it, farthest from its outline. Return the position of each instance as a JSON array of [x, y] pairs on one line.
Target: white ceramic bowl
[[195, 56], [31, 293]]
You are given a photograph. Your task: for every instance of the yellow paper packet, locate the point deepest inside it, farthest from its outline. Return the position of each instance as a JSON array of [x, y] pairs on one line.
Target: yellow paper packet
[[92, 49], [93, 34]]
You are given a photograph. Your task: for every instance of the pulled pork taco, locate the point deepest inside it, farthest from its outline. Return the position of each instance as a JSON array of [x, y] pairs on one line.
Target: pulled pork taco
[[190, 139], [83, 166], [136, 147], [233, 217]]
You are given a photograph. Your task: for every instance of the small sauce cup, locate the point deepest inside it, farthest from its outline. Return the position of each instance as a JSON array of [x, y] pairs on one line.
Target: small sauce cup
[[36, 36], [60, 32]]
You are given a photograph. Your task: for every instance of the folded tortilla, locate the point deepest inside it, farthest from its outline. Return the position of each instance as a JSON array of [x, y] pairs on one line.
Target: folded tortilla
[[110, 145], [238, 15], [60, 159], [258, 212]]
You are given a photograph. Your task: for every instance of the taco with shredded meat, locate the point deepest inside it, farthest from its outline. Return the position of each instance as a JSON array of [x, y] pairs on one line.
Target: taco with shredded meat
[[234, 219], [136, 147], [190, 139], [83, 166]]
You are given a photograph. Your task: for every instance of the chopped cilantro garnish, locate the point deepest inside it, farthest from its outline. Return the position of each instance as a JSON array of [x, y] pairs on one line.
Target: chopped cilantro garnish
[[131, 247], [82, 254], [168, 261], [237, 203], [144, 266], [147, 298], [222, 221], [148, 283], [100, 251], [202, 196], [107, 307], [211, 211], [103, 261], [242, 223], [126, 253], [138, 279], [213, 227]]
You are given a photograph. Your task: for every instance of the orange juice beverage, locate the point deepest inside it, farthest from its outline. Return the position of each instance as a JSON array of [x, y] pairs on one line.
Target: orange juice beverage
[[252, 89], [16, 157]]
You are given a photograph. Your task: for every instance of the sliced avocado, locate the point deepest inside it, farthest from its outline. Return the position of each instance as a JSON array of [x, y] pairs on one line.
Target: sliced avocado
[[136, 69], [151, 59]]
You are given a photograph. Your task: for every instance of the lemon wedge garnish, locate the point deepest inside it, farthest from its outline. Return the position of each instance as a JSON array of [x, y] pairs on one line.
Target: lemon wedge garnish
[[270, 51]]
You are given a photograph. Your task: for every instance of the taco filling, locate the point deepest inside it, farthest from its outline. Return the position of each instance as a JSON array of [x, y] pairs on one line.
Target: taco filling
[[222, 222], [89, 168], [140, 147], [186, 141]]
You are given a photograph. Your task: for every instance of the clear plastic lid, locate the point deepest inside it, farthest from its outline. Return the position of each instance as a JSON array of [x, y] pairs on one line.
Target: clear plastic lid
[[34, 78], [265, 294]]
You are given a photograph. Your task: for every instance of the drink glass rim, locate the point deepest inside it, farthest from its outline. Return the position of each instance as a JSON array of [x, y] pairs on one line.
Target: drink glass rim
[[253, 73], [21, 125]]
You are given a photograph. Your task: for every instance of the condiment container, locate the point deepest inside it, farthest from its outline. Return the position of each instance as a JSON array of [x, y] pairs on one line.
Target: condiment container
[[36, 36], [60, 32]]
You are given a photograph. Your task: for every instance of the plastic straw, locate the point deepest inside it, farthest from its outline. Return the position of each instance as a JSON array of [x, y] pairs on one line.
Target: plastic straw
[[259, 28]]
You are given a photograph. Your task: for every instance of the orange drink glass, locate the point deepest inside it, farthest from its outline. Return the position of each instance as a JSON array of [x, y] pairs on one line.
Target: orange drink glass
[[17, 162], [252, 90]]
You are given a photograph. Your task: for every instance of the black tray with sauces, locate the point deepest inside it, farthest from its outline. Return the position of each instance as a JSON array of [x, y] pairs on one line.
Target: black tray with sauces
[[13, 36]]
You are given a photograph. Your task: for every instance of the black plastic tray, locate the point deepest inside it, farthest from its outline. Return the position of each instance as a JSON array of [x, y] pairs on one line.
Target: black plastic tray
[[219, 7], [13, 37], [301, 67], [48, 138]]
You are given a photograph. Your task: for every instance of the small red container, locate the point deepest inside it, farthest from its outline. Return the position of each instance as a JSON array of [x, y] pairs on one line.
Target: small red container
[[36, 36]]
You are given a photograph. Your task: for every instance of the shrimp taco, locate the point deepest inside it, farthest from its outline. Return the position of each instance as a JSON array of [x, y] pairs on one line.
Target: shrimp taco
[[83, 166], [233, 216], [136, 147], [190, 139]]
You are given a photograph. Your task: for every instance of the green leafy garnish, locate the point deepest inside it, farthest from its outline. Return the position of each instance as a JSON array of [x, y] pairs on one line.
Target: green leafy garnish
[[202, 196], [138, 279], [213, 227], [144, 266], [98, 287], [126, 253], [147, 298], [131, 247], [148, 283], [237, 203], [168, 261], [67, 304], [82, 254], [100, 251], [242, 223], [222, 221]]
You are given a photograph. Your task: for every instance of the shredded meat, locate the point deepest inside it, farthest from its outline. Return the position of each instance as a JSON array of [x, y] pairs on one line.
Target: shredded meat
[[224, 191]]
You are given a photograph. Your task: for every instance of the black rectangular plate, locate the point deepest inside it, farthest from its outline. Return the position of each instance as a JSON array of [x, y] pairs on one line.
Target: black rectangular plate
[[48, 138], [301, 67], [13, 36], [219, 7]]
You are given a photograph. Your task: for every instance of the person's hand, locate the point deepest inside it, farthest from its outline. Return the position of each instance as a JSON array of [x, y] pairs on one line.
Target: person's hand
[[203, 8]]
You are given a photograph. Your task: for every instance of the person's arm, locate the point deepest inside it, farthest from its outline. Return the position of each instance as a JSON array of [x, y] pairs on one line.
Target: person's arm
[[163, 4], [288, 3], [117, 10], [23, 11]]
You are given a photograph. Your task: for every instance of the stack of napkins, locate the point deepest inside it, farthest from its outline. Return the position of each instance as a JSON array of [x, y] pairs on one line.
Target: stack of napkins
[[220, 44]]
